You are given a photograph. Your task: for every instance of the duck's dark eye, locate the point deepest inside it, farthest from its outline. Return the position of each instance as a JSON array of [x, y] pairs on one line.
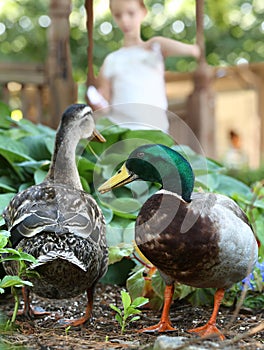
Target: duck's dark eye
[[140, 154]]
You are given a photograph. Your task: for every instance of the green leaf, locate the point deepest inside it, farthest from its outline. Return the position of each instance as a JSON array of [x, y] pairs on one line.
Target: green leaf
[[116, 309], [230, 186], [141, 137], [85, 185], [39, 176], [135, 283], [108, 214], [5, 113], [10, 251], [202, 296], [28, 257], [37, 146], [181, 291], [119, 319], [158, 284], [126, 300], [140, 301], [4, 235], [117, 253], [125, 205], [132, 311], [13, 281], [5, 199], [135, 318]]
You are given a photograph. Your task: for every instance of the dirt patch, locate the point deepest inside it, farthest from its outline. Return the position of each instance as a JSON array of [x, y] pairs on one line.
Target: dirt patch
[[104, 332]]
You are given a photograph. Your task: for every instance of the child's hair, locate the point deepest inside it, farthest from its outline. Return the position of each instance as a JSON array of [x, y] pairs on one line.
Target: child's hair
[[141, 3]]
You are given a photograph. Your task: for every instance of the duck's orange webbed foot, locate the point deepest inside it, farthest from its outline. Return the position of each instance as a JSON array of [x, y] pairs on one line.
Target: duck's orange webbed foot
[[74, 323], [208, 330], [162, 326], [88, 313], [29, 312]]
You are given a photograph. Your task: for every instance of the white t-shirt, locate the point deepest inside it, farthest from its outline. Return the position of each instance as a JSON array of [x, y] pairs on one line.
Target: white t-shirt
[[138, 87]]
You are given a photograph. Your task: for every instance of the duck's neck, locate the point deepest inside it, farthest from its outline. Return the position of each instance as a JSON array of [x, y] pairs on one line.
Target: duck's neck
[[177, 176], [63, 167]]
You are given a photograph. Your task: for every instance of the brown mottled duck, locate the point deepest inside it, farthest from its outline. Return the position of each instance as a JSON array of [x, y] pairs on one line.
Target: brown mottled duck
[[59, 223]]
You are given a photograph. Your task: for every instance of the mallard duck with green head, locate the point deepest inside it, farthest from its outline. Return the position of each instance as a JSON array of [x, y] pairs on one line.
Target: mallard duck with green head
[[202, 240], [60, 224]]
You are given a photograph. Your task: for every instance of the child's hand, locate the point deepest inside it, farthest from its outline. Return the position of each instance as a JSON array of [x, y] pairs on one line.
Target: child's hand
[[196, 51], [96, 99]]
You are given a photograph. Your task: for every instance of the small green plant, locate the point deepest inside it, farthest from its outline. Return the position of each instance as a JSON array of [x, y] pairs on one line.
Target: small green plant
[[17, 281], [126, 316]]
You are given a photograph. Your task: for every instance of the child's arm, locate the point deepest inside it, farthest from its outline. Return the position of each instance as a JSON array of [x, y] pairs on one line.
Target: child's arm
[[100, 96], [104, 85], [170, 47]]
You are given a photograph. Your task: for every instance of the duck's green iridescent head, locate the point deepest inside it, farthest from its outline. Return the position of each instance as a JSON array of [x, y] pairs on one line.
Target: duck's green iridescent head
[[155, 163]]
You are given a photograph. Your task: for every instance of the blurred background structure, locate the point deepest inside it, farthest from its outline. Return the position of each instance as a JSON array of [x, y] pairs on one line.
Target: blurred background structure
[[43, 62]]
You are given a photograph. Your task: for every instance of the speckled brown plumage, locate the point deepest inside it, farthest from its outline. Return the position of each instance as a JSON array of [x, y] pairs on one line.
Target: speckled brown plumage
[[59, 224]]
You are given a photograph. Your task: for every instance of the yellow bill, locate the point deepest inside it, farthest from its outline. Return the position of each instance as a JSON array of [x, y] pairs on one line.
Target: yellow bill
[[97, 136], [121, 178]]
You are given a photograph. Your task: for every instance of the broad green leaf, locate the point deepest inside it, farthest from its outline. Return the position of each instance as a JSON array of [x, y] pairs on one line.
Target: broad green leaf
[[13, 151], [230, 186], [13, 281], [36, 164], [126, 300], [85, 185], [140, 301], [202, 296], [158, 284], [132, 311], [49, 141], [114, 234], [129, 233], [117, 253], [6, 184], [119, 319], [36, 146], [135, 283], [135, 318], [208, 181], [108, 213], [28, 257], [153, 136], [125, 207], [5, 199], [115, 308], [39, 176], [181, 291], [5, 120], [4, 235]]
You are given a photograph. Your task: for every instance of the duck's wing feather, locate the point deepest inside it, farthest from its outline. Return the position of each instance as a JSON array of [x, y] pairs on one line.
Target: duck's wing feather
[[53, 208]]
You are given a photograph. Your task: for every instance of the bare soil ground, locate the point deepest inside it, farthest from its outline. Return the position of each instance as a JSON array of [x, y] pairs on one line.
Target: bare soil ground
[[246, 331]]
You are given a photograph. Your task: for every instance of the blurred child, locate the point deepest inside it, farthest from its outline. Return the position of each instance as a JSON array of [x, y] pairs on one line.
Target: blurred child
[[131, 79]]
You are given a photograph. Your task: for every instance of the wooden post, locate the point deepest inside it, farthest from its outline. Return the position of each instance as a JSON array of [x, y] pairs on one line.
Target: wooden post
[[200, 110], [91, 79], [261, 114], [63, 91]]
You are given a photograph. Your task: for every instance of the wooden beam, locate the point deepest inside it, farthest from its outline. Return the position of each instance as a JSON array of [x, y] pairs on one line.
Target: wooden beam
[[24, 73]]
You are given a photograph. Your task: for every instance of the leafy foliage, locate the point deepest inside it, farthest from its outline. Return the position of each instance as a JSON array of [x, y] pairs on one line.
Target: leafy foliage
[[25, 152], [16, 281], [130, 309]]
